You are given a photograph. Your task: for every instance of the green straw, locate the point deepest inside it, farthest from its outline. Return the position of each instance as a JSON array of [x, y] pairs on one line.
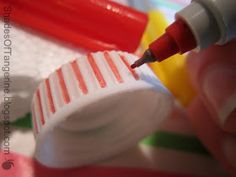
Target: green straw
[[23, 122], [176, 141]]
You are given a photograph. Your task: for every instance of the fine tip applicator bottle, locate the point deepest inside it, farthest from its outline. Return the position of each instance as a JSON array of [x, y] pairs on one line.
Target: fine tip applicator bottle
[[200, 24]]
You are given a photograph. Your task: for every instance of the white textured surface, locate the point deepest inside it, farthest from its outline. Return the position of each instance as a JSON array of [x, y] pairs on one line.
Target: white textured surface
[[33, 58]]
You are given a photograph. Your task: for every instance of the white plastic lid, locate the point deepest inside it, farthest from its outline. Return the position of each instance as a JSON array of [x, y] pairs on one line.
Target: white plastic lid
[[96, 107]]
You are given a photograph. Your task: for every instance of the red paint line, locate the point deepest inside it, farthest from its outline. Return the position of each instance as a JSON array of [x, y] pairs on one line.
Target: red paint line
[[135, 75], [34, 119], [79, 77], [49, 96], [62, 84], [40, 107], [113, 67], [96, 71]]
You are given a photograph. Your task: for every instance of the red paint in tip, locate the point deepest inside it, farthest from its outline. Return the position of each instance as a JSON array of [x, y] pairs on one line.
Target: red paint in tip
[[133, 66], [177, 39]]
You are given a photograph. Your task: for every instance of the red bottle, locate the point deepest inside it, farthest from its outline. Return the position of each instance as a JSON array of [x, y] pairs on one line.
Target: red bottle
[[91, 24]]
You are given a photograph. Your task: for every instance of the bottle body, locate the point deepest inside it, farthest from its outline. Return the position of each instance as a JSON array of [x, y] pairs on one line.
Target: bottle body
[[211, 21]]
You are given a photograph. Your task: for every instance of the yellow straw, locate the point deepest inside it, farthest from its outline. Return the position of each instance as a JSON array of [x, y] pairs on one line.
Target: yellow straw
[[172, 72]]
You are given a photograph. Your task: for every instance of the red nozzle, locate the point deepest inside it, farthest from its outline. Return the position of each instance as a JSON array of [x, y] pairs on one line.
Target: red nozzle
[[177, 39]]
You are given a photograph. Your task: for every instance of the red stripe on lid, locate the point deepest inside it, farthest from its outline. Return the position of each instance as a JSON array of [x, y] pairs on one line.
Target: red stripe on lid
[[62, 84], [49, 96], [113, 67], [125, 61], [79, 77], [34, 119], [96, 71], [40, 107]]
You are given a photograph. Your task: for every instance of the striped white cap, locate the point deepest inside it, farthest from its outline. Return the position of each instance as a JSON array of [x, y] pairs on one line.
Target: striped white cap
[[96, 107]]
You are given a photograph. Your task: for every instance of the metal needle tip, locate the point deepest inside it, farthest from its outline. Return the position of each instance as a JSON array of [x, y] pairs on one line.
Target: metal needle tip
[[146, 58]]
